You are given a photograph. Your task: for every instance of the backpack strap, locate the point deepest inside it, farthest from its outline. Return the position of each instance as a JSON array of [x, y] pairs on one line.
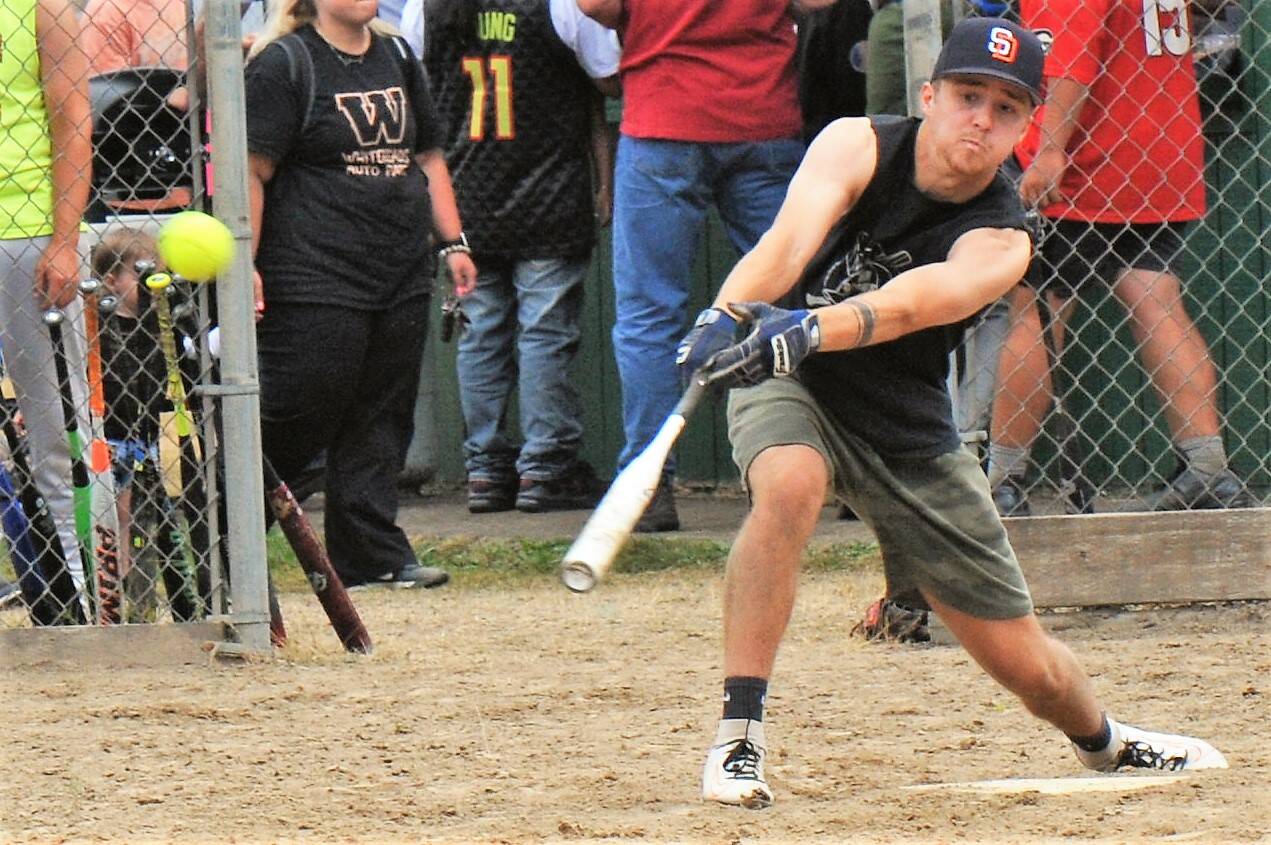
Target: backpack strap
[[301, 73]]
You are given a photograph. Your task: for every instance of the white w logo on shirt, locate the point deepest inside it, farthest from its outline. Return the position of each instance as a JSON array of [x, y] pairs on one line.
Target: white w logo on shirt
[[377, 117]]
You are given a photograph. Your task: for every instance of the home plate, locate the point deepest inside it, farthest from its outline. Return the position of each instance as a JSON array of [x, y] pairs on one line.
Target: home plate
[[1053, 786]]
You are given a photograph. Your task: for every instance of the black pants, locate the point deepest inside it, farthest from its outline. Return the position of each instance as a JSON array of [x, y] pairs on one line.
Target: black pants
[[344, 381]]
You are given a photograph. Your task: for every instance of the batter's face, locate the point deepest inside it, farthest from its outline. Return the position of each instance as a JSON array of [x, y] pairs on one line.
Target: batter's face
[[975, 121]]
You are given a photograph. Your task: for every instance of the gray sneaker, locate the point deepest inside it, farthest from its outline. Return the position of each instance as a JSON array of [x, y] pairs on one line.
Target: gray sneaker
[[409, 577], [1190, 490], [1010, 499]]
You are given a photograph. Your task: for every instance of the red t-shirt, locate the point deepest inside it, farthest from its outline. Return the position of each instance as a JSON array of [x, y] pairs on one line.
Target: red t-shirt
[[1137, 154], [709, 70]]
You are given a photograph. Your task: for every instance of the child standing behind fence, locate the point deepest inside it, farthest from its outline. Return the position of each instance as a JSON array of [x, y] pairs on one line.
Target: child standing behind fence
[[134, 377]]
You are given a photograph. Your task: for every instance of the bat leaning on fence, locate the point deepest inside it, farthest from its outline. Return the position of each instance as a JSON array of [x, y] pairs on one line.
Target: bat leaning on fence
[[111, 550], [193, 494], [101, 576], [607, 530], [47, 586], [326, 584]]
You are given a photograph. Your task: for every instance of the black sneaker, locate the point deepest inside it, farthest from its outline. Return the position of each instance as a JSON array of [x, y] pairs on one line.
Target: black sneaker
[[1009, 498], [409, 577], [577, 489], [660, 515], [1190, 490], [310, 480], [487, 495]]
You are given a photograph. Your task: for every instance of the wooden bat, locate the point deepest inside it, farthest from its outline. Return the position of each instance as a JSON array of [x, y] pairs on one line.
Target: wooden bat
[[322, 576], [613, 520]]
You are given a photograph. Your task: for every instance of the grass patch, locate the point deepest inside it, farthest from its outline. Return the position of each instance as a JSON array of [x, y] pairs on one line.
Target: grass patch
[[475, 562]]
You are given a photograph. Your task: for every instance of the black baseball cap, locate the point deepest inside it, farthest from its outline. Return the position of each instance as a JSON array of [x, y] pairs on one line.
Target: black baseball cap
[[994, 47]]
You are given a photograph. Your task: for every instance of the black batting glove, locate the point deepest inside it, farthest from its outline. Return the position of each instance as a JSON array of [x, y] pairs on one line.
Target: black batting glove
[[778, 342], [713, 330]]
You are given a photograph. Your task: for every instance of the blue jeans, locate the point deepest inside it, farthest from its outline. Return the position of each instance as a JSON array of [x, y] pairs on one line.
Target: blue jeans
[[662, 192], [524, 333]]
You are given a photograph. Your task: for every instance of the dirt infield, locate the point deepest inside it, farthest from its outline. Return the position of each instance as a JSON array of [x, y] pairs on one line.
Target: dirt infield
[[528, 714]]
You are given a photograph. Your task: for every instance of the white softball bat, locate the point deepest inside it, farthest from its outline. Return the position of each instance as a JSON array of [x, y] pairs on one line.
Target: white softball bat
[[613, 520]]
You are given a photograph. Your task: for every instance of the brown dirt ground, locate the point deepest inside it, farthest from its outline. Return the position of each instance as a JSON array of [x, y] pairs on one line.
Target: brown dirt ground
[[528, 714]]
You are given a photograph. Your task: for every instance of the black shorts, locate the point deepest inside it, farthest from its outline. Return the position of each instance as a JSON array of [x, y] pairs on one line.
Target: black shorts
[[1074, 253]]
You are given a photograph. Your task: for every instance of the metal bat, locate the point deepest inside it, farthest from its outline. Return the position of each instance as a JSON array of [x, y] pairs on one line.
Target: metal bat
[[193, 492], [613, 520], [47, 585], [313, 559], [81, 487], [112, 552]]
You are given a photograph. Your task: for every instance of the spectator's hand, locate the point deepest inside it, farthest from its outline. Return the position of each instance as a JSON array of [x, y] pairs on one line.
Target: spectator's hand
[[713, 330], [1039, 186], [57, 274], [258, 294], [604, 205], [778, 342], [463, 272]]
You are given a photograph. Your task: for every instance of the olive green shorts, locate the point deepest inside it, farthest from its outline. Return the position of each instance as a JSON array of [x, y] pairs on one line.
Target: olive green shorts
[[934, 517]]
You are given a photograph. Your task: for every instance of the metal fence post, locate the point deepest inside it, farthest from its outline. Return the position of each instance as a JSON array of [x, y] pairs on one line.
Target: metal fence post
[[244, 487], [922, 45]]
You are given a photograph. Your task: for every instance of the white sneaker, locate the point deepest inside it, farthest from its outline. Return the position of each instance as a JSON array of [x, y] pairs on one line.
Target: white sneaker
[[1133, 748], [734, 766]]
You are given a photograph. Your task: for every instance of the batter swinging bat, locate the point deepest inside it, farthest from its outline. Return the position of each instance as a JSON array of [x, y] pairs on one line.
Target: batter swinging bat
[[317, 566], [609, 526]]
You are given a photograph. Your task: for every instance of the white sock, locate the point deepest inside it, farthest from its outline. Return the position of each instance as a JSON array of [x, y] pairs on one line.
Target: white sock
[[1206, 455], [1006, 461]]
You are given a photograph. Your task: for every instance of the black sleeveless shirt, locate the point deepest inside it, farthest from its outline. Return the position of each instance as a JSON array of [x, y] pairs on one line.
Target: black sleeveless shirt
[[894, 395], [516, 105]]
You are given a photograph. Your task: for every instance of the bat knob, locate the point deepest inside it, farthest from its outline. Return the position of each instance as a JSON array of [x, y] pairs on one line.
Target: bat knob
[[107, 305], [158, 281], [578, 576], [143, 268], [54, 317], [89, 286]]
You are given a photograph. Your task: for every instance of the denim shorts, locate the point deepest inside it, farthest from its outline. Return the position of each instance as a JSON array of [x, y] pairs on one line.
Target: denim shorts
[[1075, 253], [934, 518]]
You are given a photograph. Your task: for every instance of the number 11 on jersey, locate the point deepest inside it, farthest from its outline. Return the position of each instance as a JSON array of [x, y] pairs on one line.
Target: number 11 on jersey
[[500, 73]]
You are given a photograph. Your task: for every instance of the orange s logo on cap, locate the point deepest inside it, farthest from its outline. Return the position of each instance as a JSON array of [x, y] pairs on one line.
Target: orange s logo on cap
[[1003, 45]]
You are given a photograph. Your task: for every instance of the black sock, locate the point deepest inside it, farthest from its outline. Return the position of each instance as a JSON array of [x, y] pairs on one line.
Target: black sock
[[743, 697], [1094, 742]]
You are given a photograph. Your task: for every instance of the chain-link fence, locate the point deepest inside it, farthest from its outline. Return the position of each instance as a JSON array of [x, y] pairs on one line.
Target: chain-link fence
[[109, 482], [1130, 372]]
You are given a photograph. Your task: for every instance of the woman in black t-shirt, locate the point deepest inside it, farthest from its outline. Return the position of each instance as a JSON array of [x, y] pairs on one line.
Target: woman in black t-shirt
[[350, 199]]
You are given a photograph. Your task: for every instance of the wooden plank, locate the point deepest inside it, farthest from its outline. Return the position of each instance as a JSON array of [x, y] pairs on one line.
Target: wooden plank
[[122, 646], [1145, 558]]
